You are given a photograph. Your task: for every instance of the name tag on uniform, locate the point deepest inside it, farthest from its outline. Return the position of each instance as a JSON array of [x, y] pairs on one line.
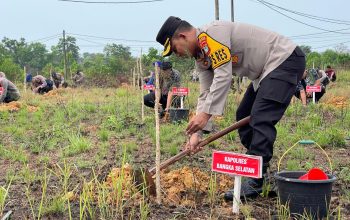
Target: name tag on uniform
[[218, 53]]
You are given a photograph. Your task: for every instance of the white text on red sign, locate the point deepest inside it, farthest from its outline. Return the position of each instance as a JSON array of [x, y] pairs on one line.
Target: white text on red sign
[[148, 87], [180, 91], [313, 88], [237, 164]]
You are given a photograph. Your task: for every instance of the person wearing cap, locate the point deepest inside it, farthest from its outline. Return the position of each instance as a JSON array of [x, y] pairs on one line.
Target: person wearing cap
[[273, 62], [169, 77], [57, 79], [8, 90]]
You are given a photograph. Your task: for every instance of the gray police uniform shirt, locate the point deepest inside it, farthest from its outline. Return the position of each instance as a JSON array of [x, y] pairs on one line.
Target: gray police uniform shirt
[[10, 91], [235, 48]]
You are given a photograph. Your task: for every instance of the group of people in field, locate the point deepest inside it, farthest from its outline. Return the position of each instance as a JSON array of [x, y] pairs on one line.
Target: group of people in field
[[314, 77], [38, 84]]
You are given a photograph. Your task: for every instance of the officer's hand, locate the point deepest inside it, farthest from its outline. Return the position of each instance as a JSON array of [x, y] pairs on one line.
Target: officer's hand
[[197, 123], [193, 142]]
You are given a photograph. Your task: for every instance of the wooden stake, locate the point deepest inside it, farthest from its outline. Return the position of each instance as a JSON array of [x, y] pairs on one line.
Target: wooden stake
[[156, 108], [133, 77], [236, 194], [25, 79], [141, 76], [138, 73]]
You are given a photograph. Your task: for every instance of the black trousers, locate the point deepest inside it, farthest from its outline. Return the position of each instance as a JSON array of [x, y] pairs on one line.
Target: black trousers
[[149, 100], [47, 88], [267, 105]]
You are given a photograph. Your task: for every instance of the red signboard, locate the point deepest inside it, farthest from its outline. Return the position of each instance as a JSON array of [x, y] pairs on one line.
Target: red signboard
[[313, 88], [237, 164], [148, 87], [180, 91]]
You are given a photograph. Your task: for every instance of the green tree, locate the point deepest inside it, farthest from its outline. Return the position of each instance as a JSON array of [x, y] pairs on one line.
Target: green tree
[[94, 63], [39, 56], [152, 56], [118, 58], [12, 70], [72, 51], [18, 50], [306, 49], [313, 58]]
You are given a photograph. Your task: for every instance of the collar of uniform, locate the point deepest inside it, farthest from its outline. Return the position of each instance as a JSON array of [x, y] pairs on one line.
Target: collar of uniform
[[200, 54]]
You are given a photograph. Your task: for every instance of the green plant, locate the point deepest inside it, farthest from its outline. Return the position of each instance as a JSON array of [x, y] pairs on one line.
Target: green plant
[[63, 173], [55, 205], [344, 174], [266, 188], [283, 212], [104, 134], [212, 192], [4, 191], [246, 211], [78, 144], [44, 183], [293, 165]]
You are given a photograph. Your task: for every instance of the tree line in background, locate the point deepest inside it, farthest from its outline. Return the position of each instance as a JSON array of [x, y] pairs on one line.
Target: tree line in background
[[116, 59]]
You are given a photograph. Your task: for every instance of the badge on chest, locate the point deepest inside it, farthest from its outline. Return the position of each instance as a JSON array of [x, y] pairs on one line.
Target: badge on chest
[[218, 53]]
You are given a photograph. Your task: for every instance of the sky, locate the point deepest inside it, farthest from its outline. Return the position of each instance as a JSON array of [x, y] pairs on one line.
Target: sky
[[95, 25]]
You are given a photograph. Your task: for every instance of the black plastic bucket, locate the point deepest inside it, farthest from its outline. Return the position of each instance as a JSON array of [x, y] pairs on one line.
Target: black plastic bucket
[[311, 197], [178, 114]]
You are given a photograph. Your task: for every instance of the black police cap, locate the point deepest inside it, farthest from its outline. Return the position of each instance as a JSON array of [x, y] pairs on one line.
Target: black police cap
[[166, 32]]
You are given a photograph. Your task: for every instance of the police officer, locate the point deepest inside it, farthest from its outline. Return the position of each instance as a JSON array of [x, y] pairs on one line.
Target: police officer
[[273, 62]]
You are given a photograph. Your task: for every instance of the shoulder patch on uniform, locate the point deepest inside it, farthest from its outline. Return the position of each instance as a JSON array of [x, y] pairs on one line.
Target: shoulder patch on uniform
[[218, 53]]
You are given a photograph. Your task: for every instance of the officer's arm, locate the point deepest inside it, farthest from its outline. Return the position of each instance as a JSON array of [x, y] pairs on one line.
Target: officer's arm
[[216, 98], [218, 39], [205, 79]]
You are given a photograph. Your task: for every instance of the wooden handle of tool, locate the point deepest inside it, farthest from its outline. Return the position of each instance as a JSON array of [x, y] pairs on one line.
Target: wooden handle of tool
[[201, 144]]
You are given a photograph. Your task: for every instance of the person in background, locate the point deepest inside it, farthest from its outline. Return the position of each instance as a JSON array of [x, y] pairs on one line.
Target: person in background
[[29, 78], [301, 88], [331, 73], [8, 90], [316, 77], [57, 79], [168, 78], [41, 85], [78, 78], [149, 80]]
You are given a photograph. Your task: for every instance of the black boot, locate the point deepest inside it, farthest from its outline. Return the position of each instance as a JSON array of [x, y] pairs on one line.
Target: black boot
[[250, 188]]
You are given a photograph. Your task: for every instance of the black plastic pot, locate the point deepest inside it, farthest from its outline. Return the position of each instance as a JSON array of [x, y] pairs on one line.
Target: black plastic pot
[[178, 114], [304, 196]]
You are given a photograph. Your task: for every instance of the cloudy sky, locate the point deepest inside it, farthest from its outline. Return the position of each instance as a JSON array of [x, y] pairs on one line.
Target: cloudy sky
[[136, 25]]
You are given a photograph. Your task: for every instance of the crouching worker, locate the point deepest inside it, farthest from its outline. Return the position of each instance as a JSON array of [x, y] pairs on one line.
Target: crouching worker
[[168, 78], [301, 88], [8, 90], [78, 78], [58, 80], [41, 85], [316, 77]]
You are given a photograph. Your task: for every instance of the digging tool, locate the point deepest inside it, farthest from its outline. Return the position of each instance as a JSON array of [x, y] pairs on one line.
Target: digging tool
[[144, 177]]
